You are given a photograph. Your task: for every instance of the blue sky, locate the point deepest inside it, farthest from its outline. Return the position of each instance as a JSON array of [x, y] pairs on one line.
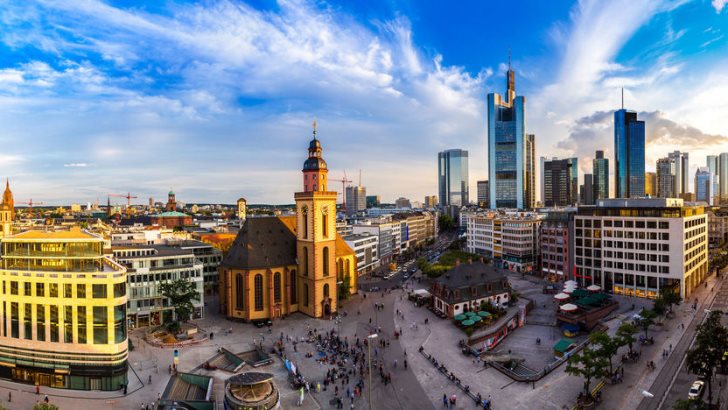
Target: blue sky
[[215, 99]]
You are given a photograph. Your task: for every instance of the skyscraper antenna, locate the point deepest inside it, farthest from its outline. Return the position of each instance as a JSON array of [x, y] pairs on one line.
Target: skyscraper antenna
[[622, 97], [509, 58]]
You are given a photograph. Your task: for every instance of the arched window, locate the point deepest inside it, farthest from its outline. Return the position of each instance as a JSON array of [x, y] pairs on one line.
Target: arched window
[[326, 290], [348, 268], [258, 285], [326, 261], [305, 261], [305, 294], [239, 292], [277, 287], [304, 212], [294, 289], [340, 269], [325, 223]]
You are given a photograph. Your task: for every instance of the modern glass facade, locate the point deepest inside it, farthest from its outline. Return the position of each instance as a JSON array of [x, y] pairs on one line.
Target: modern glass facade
[[629, 155], [682, 172], [666, 176], [600, 170], [704, 185], [561, 182], [723, 176], [453, 180]]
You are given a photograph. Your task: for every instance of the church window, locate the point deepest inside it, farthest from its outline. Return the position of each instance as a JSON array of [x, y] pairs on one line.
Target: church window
[[305, 294], [348, 267], [294, 289], [325, 223], [304, 212], [239, 292], [326, 261], [305, 261], [326, 290], [258, 292], [277, 287]]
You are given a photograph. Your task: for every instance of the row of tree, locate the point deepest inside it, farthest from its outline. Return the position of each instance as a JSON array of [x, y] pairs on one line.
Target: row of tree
[[711, 342]]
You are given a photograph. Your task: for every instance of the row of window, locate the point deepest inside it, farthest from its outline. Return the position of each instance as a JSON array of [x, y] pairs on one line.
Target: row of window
[[65, 290], [258, 293]]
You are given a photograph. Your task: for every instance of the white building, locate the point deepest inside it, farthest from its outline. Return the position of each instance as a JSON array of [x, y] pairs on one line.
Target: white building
[[366, 248], [638, 247], [510, 238]]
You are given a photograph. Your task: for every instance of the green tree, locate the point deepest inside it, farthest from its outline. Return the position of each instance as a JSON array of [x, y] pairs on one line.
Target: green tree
[[647, 319], [181, 293], [588, 364], [608, 346], [710, 343], [670, 297], [344, 287], [626, 332], [659, 306], [45, 406], [686, 404], [446, 223]]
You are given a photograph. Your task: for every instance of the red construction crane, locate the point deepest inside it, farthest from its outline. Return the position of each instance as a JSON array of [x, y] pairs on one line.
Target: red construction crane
[[128, 197], [343, 181], [30, 204]]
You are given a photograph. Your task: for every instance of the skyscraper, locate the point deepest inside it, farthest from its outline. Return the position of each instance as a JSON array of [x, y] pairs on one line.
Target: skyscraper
[[561, 182], [356, 199], [682, 172], [723, 176], [704, 185], [629, 155], [651, 183], [483, 199], [600, 170], [588, 190], [711, 162], [511, 153], [452, 174], [666, 178]]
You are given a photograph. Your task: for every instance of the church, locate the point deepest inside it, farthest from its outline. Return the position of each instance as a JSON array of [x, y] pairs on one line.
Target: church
[[7, 212], [285, 264]]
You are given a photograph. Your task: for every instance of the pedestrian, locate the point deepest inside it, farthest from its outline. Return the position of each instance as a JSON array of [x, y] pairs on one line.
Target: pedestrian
[[670, 347], [10, 396], [46, 399], [150, 379], [37, 388], [300, 396], [444, 400]]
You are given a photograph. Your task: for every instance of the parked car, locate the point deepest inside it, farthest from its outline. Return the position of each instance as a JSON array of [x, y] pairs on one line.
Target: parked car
[[696, 390], [263, 322]]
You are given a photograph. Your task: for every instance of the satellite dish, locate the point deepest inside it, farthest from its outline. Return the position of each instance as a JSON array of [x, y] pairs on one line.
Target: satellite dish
[[647, 394]]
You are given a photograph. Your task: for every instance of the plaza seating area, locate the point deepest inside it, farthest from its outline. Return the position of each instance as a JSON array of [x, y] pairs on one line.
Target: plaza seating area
[[583, 308]]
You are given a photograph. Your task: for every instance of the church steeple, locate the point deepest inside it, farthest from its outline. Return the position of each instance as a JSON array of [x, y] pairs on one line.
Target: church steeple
[[8, 197], [314, 168]]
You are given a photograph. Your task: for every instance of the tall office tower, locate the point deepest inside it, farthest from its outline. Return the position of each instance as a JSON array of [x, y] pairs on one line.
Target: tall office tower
[[588, 190], [356, 199], [540, 181], [561, 182], [723, 177], [452, 167], [511, 154], [666, 177], [600, 170], [373, 201], [483, 199], [629, 155], [682, 172], [430, 201], [711, 161], [704, 185], [650, 184]]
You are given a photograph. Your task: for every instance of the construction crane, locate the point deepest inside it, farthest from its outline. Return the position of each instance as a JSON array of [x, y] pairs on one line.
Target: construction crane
[[343, 181], [30, 204], [128, 197]]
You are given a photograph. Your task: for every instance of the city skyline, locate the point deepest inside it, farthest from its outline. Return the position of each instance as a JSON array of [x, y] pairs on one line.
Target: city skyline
[[215, 101]]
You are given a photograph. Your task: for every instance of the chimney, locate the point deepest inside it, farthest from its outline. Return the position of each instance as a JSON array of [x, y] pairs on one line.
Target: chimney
[[457, 262]]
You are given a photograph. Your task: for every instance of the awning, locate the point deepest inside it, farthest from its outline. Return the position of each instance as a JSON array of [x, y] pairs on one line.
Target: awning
[[594, 288], [569, 307], [561, 296]]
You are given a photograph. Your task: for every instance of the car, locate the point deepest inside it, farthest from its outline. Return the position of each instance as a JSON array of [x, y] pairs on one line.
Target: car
[[696, 390], [262, 322]]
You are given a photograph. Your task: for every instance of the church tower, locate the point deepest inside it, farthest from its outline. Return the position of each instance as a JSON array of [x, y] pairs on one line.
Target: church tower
[[8, 198], [171, 202], [7, 211], [316, 237]]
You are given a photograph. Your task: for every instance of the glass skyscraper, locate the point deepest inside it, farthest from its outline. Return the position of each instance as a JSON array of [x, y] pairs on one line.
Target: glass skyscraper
[[629, 155], [704, 185], [600, 170], [561, 182], [511, 153], [452, 172]]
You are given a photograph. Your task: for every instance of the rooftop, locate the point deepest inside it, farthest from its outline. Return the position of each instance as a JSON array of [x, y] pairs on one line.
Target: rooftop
[[468, 274], [54, 235], [640, 203], [169, 214]]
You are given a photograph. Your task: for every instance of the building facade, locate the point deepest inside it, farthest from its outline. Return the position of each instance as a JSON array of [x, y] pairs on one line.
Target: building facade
[[587, 190], [388, 239], [561, 183], [704, 185], [373, 201], [242, 209], [483, 197], [717, 226], [600, 170], [356, 199], [638, 247], [666, 177], [651, 184], [682, 172], [467, 286], [629, 155], [430, 202], [403, 203], [452, 181], [64, 310], [366, 248], [557, 248]]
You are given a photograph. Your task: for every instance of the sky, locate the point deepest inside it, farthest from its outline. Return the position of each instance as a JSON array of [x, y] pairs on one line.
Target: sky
[[215, 99]]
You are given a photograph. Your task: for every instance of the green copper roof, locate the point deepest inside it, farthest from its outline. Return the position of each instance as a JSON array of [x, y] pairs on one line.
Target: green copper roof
[[169, 214]]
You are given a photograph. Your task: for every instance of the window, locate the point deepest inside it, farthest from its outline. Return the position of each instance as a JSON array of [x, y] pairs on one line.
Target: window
[[305, 261], [99, 291], [40, 290], [304, 212], [326, 290], [14, 320], [325, 224], [81, 291], [277, 287], [82, 324], [101, 334], [68, 291], [27, 289], [119, 289], [54, 290], [40, 323], [305, 294], [54, 323], [326, 261], [294, 289], [119, 327], [13, 287], [258, 290], [27, 322], [239, 292], [68, 324]]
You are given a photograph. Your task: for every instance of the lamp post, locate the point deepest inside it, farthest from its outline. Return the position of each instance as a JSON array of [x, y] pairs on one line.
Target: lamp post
[[370, 340]]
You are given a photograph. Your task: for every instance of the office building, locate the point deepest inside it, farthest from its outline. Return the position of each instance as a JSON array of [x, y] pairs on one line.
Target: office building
[[629, 155], [430, 202], [651, 184], [64, 310], [373, 201], [600, 170], [366, 248], [388, 238], [557, 248], [717, 226], [453, 182], [415, 228], [403, 203], [711, 161], [587, 190], [356, 199], [704, 185], [639, 247], [723, 177], [511, 154], [682, 172], [483, 197], [666, 178], [560, 182]]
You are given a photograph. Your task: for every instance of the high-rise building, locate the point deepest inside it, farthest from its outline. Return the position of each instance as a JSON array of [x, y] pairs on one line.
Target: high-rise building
[[511, 154], [356, 199], [723, 176], [629, 155], [402, 203], [430, 201], [600, 170], [560, 182], [650, 184], [587, 190], [483, 197], [452, 171], [704, 185], [711, 161], [373, 201], [666, 177], [682, 172]]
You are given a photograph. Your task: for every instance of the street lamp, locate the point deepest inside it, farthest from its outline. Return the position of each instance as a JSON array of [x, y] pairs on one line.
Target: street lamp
[[369, 351]]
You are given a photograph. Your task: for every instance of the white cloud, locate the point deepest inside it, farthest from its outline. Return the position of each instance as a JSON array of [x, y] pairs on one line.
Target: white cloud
[[718, 5], [76, 165]]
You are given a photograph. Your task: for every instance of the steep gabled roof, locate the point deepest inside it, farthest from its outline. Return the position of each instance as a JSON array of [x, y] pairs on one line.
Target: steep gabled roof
[[264, 242]]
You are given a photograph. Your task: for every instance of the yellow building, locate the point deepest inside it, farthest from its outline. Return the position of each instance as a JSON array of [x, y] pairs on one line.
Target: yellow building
[[651, 183], [64, 311], [285, 264]]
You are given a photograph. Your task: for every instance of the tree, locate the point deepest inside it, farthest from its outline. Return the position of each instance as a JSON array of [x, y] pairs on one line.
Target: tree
[[181, 293], [446, 223], [710, 343], [589, 364], [608, 346], [626, 332], [344, 287], [659, 306], [686, 404], [45, 406], [670, 297], [647, 319]]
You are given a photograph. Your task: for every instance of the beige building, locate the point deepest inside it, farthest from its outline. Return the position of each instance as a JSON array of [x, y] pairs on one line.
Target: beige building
[[651, 184]]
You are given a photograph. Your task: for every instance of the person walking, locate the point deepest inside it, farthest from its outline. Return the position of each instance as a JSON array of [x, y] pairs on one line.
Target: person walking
[[300, 396]]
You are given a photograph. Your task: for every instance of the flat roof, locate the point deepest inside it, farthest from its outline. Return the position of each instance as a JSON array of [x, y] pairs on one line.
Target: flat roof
[[52, 235]]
